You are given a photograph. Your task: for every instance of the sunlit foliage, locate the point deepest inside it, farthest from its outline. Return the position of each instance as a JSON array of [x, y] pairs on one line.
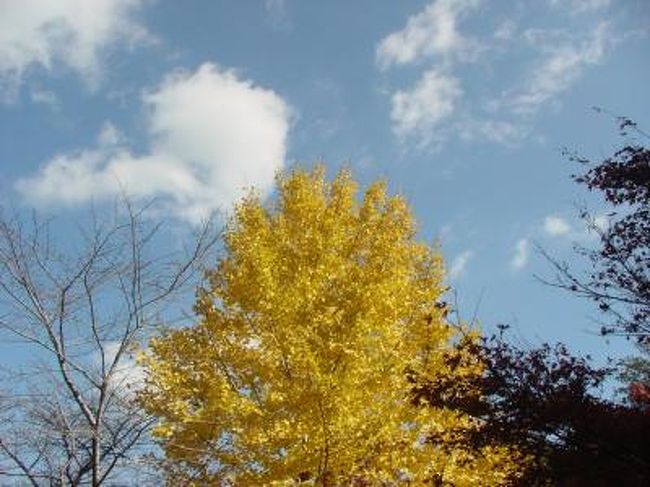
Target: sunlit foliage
[[314, 326]]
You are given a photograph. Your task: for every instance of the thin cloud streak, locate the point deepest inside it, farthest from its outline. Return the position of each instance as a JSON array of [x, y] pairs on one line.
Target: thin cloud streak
[[520, 257]]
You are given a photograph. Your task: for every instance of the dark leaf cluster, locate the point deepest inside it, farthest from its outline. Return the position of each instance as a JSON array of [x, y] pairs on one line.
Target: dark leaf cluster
[[542, 401]]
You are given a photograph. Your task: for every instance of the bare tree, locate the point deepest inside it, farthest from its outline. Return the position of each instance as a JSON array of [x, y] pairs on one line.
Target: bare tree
[[80, 310]]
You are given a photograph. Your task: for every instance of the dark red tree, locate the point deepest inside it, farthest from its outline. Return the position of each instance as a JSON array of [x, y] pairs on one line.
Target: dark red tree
[[544, 401]]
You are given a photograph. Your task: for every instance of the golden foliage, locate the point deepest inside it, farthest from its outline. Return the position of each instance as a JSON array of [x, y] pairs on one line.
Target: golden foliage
[[311, 330]]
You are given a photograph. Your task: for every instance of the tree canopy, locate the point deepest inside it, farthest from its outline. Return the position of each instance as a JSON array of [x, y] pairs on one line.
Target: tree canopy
[[312, 331]]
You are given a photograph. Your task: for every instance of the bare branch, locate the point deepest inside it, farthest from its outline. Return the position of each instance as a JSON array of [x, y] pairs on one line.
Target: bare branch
[[82, 311]]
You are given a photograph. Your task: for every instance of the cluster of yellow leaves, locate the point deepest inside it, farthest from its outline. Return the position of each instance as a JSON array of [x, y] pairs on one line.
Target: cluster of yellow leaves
[[312, 329]]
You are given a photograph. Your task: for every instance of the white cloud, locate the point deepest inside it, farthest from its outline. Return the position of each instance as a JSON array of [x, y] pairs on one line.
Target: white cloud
[[499, 131], [560, 69], [212, 136], [583, 230], [434, 39], [520, 257], [556, 226], [128, 376], [432, 32], [601, 222], [72, 33], [459, 264], [417, 112], [594, 226], [45, 97], [110, 136]]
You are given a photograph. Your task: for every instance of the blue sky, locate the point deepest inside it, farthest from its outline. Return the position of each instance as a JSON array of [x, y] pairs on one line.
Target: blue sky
[[463, 105]]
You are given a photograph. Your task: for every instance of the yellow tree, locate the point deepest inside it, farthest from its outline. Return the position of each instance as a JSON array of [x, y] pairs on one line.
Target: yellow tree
[[315, 324]]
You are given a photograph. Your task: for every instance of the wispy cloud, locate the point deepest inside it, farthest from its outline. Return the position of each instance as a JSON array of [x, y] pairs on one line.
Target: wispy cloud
[[432, 32], [417, 112], [459, 264], [436, 39], [278, 14], [506, 30], [69, 33], [520, 256], [601, 222], [129, 376], [580, 6], [500, 131], [211, 135], [45, 97], [580, 230], [560, 68], [556, 226]]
